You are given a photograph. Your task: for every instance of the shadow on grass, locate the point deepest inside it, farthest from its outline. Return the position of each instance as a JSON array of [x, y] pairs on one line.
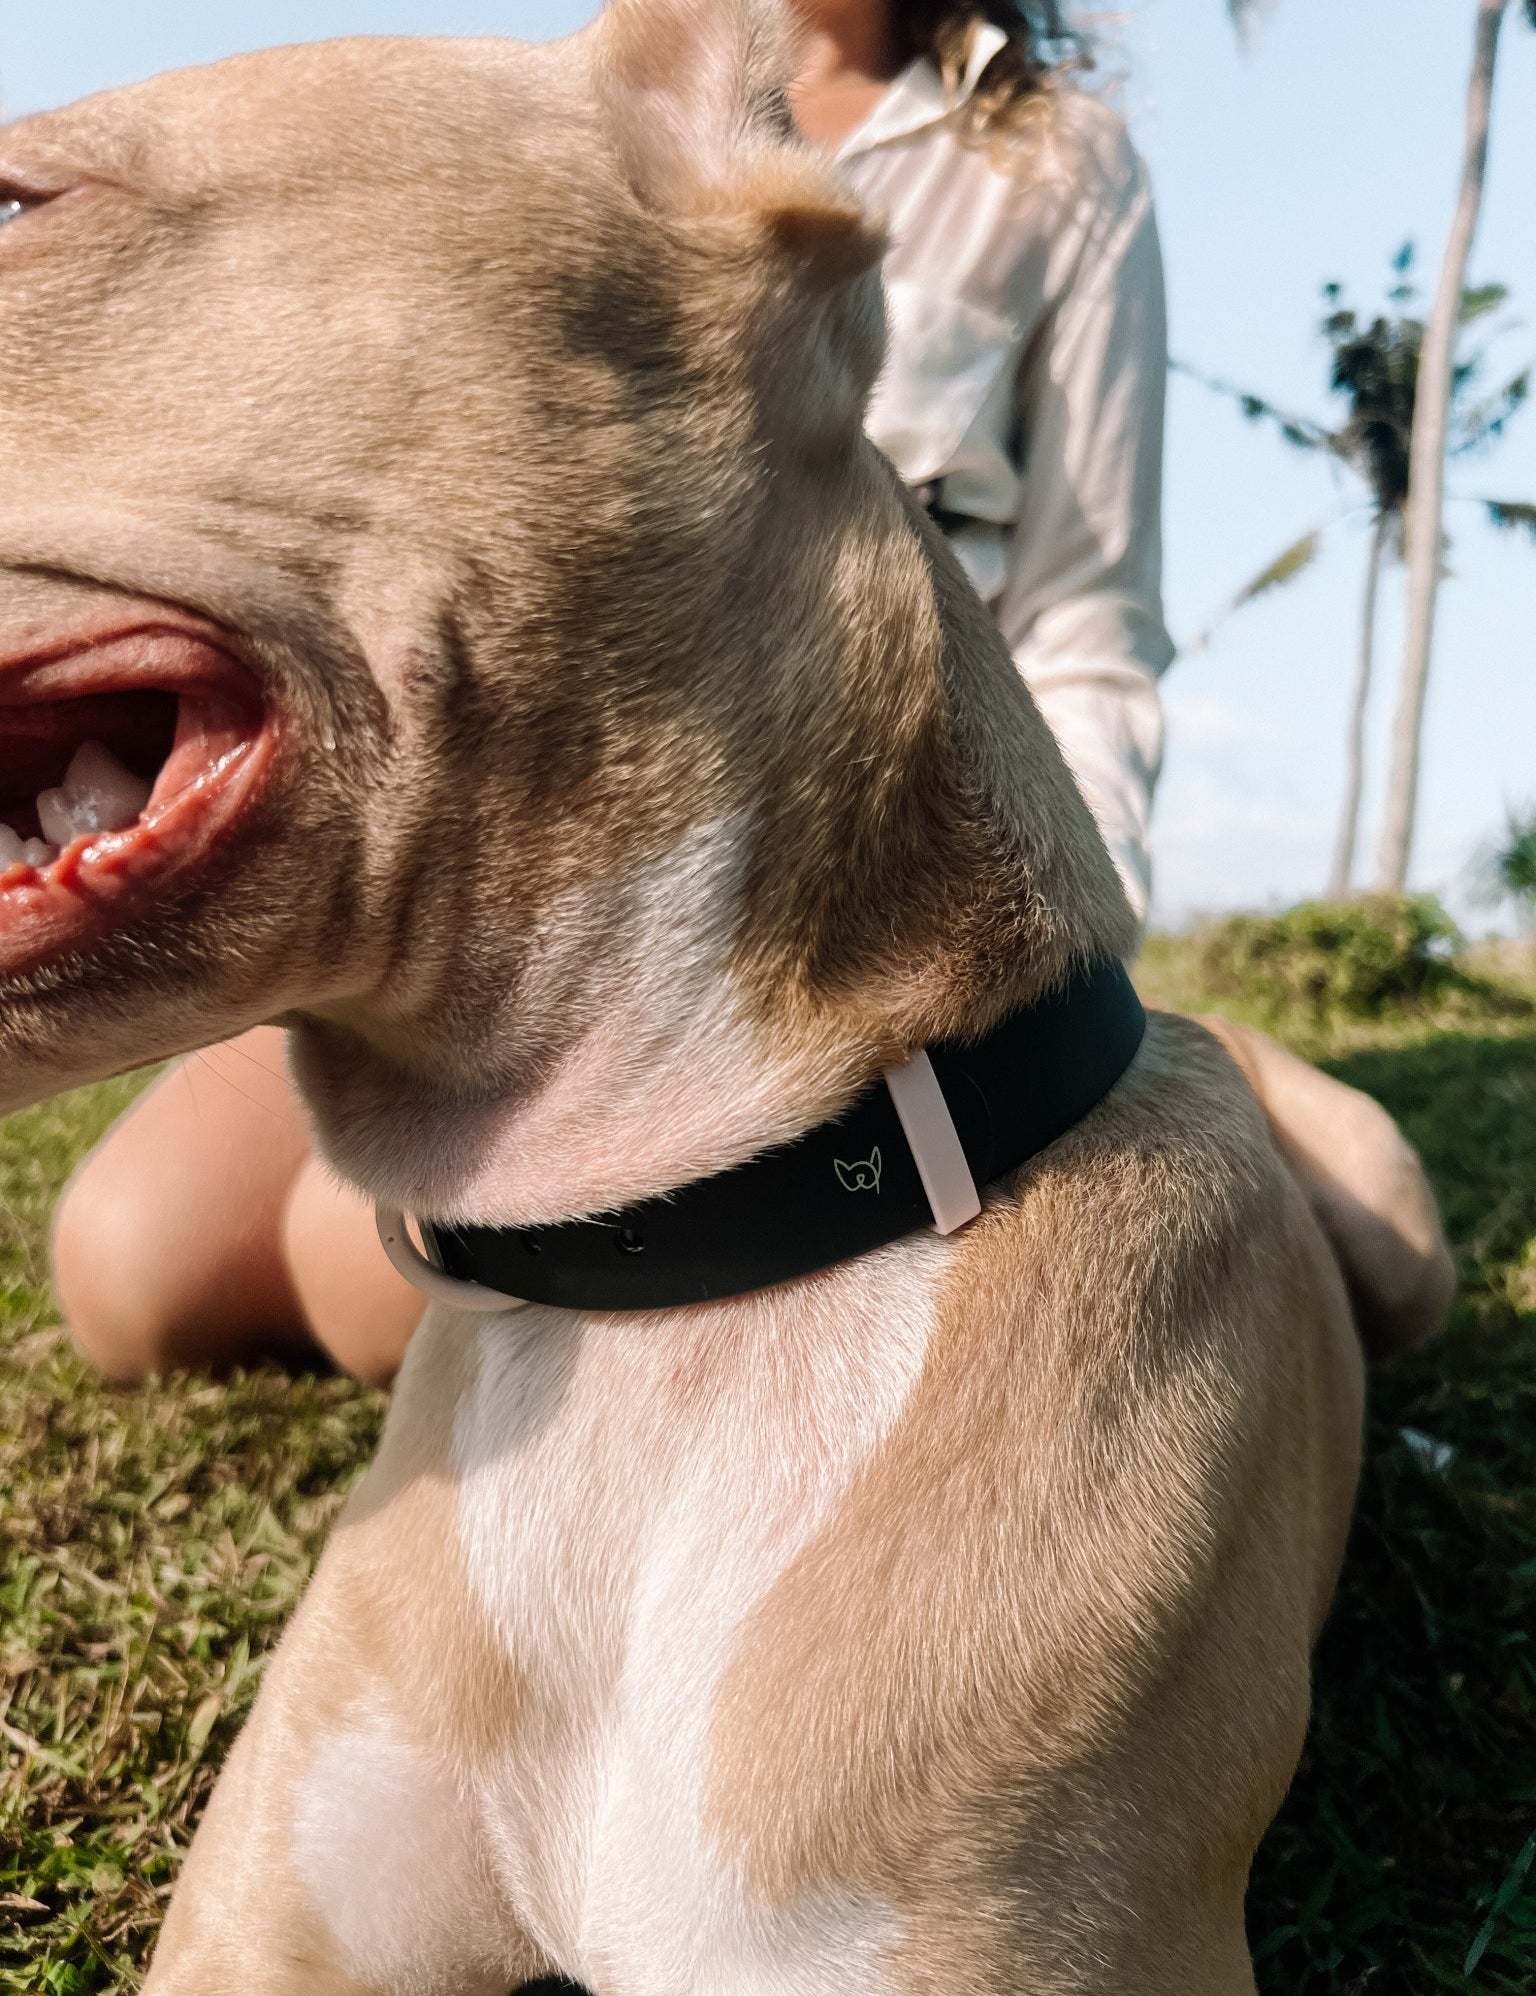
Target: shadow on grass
[[1403, 1860]]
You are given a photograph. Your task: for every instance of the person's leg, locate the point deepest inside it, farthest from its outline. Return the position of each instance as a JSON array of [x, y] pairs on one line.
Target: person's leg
[[357, 1306], [167, 1243], [192, 1235]]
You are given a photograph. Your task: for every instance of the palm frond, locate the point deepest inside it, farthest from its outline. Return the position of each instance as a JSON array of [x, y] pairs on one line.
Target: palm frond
[[1512, 516], [1485, 422], [1404, 291], [1300, 431], [1285, 567], [1244, 16], [1478, 300]]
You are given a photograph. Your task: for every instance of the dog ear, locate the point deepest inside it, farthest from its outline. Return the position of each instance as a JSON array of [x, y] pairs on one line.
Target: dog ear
[[696, 97]]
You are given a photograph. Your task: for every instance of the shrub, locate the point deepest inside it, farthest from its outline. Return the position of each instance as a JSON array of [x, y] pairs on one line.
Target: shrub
[[1514, 865], [1326, 958]]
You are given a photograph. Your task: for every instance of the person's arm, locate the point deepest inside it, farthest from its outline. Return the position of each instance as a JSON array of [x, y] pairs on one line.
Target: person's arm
[[1082, 605]]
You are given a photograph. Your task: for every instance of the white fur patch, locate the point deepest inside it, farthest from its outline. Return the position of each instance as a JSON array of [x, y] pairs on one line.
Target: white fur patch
[[630, 1490], [389, 1851]]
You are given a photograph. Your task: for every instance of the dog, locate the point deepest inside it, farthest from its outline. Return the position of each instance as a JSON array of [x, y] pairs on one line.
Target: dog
[[435, 491]]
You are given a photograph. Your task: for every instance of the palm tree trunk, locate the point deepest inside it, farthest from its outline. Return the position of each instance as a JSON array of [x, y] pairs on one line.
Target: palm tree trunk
[[1354, 741], [1426, 470]]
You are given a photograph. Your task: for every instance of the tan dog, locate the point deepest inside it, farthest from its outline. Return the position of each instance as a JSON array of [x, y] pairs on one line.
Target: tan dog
[[438, 469]]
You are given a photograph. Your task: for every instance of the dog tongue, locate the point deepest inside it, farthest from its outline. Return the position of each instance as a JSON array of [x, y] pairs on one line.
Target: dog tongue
[[97, 795]]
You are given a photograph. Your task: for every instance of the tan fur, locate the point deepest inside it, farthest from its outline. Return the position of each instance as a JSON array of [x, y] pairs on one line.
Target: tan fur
[[648, 776], [496, 607], [962, 1670], [387, 1622]]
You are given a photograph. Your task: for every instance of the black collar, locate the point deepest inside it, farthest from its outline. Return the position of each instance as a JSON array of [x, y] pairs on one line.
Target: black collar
[[840, 1190]]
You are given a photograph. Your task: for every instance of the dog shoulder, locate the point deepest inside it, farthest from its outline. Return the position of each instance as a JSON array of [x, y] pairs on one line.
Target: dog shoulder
[[1118, 1491], [1168, 1203]]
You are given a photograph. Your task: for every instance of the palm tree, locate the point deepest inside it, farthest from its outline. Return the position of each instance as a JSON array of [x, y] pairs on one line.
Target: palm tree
[[1430, 443], [1372, 367], [1431, 436], [1375, 367]]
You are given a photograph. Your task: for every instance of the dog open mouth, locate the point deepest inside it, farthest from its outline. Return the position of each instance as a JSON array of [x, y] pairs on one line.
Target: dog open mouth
[[123, 764]]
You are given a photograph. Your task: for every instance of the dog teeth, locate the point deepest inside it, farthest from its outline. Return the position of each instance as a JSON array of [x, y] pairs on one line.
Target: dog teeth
[[55, 816], [97, 795], [17, 851]]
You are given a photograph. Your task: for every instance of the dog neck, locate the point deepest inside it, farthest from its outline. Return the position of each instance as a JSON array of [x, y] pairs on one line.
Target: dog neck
[[819, 850]]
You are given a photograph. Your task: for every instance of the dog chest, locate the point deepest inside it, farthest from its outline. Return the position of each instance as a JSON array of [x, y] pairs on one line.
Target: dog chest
[[628, 1492]]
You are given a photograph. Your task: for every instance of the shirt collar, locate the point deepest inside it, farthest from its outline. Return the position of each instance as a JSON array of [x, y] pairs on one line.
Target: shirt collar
[[917, 97]]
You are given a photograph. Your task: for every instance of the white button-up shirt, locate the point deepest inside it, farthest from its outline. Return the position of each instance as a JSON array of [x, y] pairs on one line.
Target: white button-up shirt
[[1023, 395]]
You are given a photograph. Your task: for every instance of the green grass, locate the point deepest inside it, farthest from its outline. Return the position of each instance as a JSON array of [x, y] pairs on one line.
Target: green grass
[[1403, 1860], [151, 1546], [152, 1543]]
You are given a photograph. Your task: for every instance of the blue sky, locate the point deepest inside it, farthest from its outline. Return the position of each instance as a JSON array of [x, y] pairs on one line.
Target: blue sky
[[1313, 156]]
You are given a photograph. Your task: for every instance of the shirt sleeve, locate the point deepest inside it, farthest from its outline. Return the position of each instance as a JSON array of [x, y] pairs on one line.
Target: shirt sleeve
[[1081, 606]]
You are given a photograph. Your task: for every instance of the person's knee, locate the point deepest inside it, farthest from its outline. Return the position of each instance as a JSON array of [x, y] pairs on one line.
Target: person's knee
[[115, 1286], [358, 1308]]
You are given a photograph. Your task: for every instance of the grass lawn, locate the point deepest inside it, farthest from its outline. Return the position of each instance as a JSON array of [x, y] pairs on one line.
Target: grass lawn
[[151, 1544]]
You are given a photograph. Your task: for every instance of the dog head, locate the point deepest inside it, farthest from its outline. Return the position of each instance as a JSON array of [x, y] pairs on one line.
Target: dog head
[[441, 570]]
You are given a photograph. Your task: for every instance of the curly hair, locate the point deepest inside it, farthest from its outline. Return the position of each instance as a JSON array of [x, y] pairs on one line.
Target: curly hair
[[1041, 47]]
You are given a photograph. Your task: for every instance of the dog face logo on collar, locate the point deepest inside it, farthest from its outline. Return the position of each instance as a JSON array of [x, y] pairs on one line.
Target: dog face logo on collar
[[861, 1177]]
